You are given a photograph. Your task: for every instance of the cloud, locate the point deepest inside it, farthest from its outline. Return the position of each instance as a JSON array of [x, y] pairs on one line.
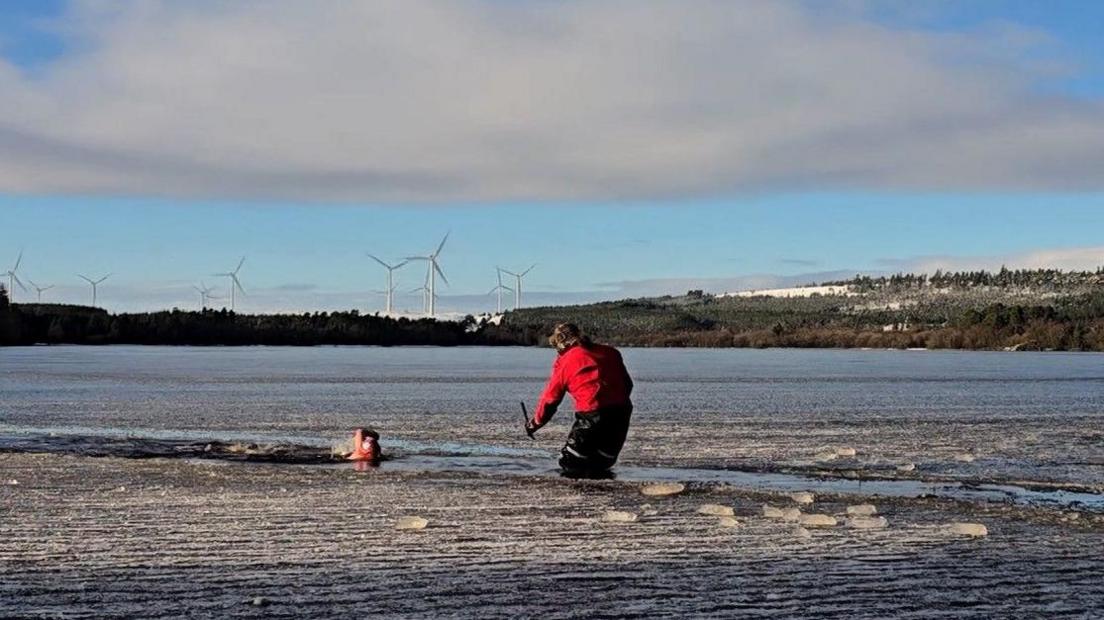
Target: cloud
[[799, 262], [1067, 259], [296, 287], [480, 100]]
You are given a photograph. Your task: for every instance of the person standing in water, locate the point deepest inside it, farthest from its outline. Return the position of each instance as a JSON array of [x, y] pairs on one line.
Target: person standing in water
[[596, 377]]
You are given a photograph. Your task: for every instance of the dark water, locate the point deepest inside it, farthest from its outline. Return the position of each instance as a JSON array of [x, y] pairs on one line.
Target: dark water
[[955, 415]]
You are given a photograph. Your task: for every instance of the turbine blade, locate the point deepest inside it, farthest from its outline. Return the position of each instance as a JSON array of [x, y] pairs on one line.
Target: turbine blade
[[85, 278], [199, 290], [412, 258], [104, 278], [509, 272], [48, 287], [237, 283], [240, 263], [529, 269], [400, 264], [18, 260], [437, 268], [16, 278], [442, 243], [385, 265], [33, 284]]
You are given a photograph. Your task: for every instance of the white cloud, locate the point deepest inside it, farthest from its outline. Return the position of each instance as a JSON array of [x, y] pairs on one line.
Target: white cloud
[[483, 100], [1066, 259]]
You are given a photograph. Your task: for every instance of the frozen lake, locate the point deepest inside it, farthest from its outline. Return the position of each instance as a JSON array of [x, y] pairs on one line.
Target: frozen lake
[[200, 536]]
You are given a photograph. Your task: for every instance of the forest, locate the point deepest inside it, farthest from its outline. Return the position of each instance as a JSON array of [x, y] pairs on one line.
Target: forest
[[27, 324]]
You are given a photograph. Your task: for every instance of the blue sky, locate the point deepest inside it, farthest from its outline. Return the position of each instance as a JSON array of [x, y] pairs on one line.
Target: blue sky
[[702, 187]]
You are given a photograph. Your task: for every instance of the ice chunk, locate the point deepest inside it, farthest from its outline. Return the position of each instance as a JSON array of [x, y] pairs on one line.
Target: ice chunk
[[800, 532], [825, 456], [619, 516], [906, 467], [771, 512], [868, 523], [802, 498], [964, 457], [728, 522], [716, 510], [862, 510], [411, 523], [665, 488], [845, 452], [817, 520], [791, 514], [969, 529]]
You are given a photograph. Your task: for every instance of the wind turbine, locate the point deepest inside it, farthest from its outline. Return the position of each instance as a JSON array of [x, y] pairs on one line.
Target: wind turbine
[[433, 270], [204, 294], [517, 285], [39, 289], [94, 284], [499, 288], [234, 282], [390, 280], [425, 291], [14, 279]]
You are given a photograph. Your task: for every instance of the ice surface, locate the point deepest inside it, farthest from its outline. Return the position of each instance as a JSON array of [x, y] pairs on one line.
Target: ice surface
[[319, 541], [846, 452], [792, 515], [906, 467]]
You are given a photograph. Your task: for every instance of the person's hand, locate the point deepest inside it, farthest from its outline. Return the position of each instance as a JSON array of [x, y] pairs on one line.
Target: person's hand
[[532, 427]]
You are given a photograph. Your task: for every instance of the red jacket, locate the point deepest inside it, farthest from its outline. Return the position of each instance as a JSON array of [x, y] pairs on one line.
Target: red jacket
[[594, 375]]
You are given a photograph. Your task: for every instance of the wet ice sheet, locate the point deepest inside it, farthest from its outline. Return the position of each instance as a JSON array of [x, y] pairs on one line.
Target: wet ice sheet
[[166, 538]]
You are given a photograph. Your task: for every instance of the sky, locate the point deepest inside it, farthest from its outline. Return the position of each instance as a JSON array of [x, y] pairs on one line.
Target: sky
[[624, 148]]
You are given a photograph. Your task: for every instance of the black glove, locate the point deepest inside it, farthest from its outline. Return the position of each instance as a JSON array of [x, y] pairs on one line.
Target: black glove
[[531, 427]]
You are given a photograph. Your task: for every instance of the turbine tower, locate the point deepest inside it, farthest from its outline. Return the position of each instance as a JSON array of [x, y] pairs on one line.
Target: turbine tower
[[14, 279], [433, 270], [424, 290], [204, 295], [517, 284], [94, 284], [390, 292], [499, 288], [38, 289], [234, 282]]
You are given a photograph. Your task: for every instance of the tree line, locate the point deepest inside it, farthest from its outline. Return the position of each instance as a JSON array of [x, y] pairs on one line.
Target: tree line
[[26, 324]]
